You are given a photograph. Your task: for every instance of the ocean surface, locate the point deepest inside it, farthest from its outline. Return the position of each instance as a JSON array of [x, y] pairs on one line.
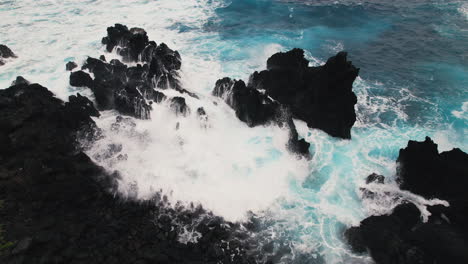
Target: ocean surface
[[413, 83]]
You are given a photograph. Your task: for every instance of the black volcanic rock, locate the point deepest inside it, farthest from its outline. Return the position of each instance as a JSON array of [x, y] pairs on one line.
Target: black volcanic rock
[[376, 178], [251, 106], [59, 207], [422, 170], [132, 89], [401, 237], [179, 106], [255, 108], [134, 46], [80, 79], [384, 236], [321, 96], [70, 66], [19, 80], [5, 53]]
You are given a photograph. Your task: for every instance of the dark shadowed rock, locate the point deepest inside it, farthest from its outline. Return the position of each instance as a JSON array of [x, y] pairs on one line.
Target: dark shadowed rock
[[179, 106], [80, 79], [321, 96], [375, 178], [402, 237], [384, 236], [5, 53], [70, 65], [60, 207], [132, 90], [254, 108], [422, 170], [19, 80], [251, 106]]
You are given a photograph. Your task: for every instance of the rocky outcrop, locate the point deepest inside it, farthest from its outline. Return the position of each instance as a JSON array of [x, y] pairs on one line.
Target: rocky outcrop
[[59, 207], [5, 53], [70, 66], [402, 236], [321, 96], [255, 108], [131, 89]]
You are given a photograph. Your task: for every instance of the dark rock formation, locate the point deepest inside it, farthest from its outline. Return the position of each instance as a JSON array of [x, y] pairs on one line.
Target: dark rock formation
[[255, 108], [179, 106], [321, 96], [402, 237], [70, 65], [19, 80], [131, 90], [80, 79], [5, 53], [422, 170], [59, 207], [251, 106], [134, 46], [376, 178]]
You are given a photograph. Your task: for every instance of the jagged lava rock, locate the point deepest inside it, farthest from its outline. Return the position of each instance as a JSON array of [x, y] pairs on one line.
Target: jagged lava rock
[[444, 237], [422, 170], [134, 46], [70, 65], [80, 79], [321, 96], [5, 53], [132, 89], [59, 207], [255, 108]]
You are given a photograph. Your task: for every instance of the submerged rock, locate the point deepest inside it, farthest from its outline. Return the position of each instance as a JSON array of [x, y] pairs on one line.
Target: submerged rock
[[321, 96], [402, 237]]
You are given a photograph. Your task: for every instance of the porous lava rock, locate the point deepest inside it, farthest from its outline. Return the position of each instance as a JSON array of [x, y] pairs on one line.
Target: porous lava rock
[[402, 236]]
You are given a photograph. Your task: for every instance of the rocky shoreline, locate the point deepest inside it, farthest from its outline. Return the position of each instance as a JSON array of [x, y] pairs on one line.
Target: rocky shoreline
[[58, 206], [403, 236]]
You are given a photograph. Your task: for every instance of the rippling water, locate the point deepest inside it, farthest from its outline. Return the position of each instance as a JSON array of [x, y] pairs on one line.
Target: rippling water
[[414, 80]]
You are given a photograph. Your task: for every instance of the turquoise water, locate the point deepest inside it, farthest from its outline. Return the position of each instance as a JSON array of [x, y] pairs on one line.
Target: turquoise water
[[413, 83]]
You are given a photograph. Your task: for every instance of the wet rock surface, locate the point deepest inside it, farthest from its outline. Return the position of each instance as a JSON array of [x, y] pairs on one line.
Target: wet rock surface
[[131, 89], [321, 96], [402, 236], [70, 66], [60, 207], [255, 108], [5, 53]]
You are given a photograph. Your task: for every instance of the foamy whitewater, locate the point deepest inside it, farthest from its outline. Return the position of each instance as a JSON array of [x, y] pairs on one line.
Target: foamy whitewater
[[407, 90]]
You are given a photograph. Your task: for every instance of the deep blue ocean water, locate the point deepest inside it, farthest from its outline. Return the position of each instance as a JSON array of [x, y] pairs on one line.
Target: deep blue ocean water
[[413, 82]]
